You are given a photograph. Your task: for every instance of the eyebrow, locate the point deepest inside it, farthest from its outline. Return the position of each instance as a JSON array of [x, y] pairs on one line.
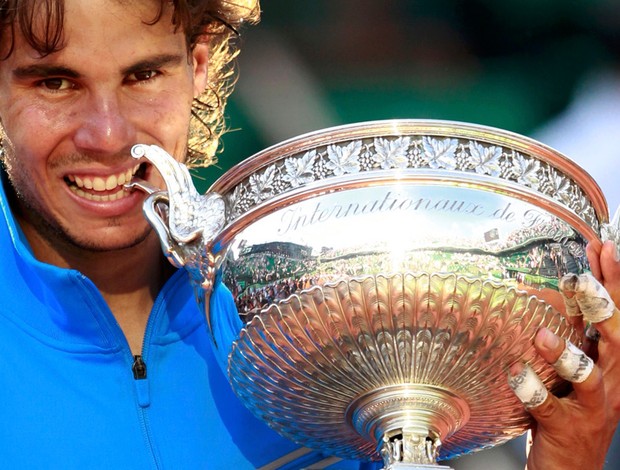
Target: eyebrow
[[44, 70], [155, 62]]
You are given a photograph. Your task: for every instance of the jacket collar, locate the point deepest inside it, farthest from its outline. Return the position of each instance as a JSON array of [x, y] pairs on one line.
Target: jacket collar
[[62, 306]]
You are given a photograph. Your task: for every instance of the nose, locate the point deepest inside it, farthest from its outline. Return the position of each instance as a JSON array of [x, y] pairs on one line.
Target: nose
[[104, 125]]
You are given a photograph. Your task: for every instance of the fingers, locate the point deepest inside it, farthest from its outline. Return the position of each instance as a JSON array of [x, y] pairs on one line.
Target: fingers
[[605, 267], [522, 379], [610, 270], [569, 362], [567, 289], [584, 295], [573, 364], [593, 252], [527, 386], [549, 345], [608, 257]]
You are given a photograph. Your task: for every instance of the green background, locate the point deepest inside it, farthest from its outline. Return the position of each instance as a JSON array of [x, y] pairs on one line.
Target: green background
[[511, 64]]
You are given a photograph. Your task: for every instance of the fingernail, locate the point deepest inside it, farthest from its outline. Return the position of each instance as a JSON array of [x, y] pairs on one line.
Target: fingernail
[[568, 282], [549, 340], [516, 369]]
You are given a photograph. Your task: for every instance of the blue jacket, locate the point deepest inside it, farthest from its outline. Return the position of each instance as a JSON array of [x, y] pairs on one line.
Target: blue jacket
[[68, 395]]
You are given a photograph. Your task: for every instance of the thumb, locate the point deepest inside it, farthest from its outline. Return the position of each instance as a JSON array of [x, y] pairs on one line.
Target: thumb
[[610, 270]]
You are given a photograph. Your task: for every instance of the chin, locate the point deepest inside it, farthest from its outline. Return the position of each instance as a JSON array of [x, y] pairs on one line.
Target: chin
[[111, 241]]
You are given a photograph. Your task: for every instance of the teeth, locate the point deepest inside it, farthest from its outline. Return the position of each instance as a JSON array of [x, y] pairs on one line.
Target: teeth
[[100, 184], [100, 197]]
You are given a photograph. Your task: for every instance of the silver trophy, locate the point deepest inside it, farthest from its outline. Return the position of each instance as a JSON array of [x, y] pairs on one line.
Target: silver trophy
[[385, 276]]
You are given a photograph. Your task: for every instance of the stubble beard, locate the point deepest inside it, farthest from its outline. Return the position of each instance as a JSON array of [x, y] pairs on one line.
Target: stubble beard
[[26, 206], [28, 209]]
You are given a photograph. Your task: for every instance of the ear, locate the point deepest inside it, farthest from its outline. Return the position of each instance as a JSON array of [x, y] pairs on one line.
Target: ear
[[200, 59]]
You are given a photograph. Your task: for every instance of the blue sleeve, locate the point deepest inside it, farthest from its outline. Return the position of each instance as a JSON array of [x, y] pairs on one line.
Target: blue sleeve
[[355, 465]]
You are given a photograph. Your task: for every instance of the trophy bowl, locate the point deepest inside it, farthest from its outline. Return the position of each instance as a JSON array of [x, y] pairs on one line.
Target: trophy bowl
[[385, 276]]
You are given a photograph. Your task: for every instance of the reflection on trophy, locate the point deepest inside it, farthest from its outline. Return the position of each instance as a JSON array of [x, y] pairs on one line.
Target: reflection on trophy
[[385, 275]]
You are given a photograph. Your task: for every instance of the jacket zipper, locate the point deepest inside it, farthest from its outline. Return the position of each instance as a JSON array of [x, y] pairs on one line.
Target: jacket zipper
[[138, 368], [139, 371], [138, 362]]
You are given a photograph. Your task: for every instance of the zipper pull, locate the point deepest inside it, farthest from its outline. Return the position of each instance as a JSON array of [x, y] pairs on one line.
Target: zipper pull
[[138, 368], [142, 385]]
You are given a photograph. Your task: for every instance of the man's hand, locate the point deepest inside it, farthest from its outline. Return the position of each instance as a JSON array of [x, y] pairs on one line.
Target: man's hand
[[575, 432]]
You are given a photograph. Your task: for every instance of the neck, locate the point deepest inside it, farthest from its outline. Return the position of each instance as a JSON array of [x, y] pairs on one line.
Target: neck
[[129, 279]]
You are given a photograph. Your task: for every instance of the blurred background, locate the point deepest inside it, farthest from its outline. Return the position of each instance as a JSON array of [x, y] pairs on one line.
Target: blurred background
[[544, 68]]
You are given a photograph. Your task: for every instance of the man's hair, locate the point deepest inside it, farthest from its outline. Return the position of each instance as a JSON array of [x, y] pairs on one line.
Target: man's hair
[[215, 22]]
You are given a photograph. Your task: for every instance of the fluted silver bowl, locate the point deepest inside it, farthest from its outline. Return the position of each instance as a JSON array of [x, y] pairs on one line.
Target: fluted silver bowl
[[387, 274]]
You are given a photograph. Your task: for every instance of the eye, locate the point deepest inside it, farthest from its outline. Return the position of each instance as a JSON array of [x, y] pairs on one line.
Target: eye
[[57, 84], [143, 75]]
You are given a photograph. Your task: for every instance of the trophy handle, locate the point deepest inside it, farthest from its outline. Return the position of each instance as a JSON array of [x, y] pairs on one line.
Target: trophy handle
[[185, 221], [190, 215]]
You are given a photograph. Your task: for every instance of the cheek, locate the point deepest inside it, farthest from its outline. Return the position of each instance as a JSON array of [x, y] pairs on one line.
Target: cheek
[[32, 129], [27, 183], [170, 123], [170, 120], [33, 136]]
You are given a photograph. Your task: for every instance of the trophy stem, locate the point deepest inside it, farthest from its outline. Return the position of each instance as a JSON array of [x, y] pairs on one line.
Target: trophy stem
[[413, 466], [408, 450], [408, 422]]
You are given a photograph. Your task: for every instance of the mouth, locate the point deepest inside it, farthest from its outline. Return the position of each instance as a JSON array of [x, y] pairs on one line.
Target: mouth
[[104, 189]]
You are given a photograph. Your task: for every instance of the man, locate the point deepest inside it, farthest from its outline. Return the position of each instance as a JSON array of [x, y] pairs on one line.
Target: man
[[105, 359]]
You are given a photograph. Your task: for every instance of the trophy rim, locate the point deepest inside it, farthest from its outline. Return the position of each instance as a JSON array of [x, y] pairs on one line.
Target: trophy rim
[[428, 178], [417, 127]]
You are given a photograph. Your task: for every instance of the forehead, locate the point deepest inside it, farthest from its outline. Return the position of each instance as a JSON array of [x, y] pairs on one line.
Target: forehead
[[48, 26]]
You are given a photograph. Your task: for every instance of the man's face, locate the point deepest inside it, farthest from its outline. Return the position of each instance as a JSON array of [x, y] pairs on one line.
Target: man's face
[[73, 116]]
